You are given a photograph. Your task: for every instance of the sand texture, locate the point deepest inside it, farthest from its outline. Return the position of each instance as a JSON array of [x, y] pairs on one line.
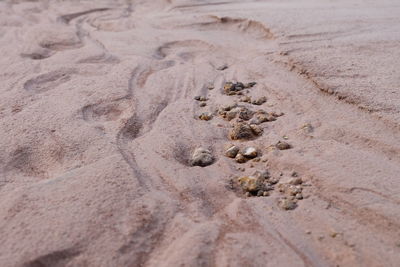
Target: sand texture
[[103, 103]]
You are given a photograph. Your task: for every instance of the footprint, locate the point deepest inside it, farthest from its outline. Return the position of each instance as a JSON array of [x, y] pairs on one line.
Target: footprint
[[248, 27], [55, 258], [68, 17], [110, 111], [102, 58], [38, 54], [59, 41], [185, 49], [47, 81]]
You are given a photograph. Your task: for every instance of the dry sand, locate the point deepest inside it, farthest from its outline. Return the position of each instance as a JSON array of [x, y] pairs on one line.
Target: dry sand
[[98, 122]]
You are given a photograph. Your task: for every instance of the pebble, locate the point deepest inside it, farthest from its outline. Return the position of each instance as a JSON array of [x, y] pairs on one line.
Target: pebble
[[299, 196], [296, 181], [201, 157], [287, 204], [245, 114], [262, 175], [206, 116], [307, 128], [203, 104], [254, 121], [197, 97], [241, 131], [333, 234], [233, 88], [266, 117], [259, 101], [257, 130], [210, 87], [250, 184], [250, 152], [230, 115], [232, 152], [240, 158], [246, 99], [281, 145], [228, 107]]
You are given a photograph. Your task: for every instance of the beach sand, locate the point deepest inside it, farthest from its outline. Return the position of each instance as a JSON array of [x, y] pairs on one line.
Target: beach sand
[[98, 123]]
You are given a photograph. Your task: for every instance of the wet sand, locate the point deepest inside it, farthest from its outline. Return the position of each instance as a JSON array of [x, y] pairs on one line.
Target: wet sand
[[99, 121]]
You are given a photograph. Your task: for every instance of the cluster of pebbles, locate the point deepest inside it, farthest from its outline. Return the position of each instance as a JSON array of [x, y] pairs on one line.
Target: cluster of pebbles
[[246, 124]]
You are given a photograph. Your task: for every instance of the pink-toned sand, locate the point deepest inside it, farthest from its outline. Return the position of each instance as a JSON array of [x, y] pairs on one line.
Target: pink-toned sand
[[98, 122]]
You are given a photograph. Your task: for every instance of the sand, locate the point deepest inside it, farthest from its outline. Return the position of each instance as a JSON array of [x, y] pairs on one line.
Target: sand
[[98, 123]]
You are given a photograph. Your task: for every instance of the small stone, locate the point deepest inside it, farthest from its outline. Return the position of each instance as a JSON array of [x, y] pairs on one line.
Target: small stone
[[262, 118], [259, 101], [295, 174], [308, 232], [283, 145], [201, 157], [296, 181], [245, 99], [203, 98], [292, 190], [264, 175], [247, 194], [227, 108], [245, 114], [233, 88], [299, 196], [197, 97], [254, 121], [287, 204], [241, 131], [203, 104], [210, 87], [307, 128], [250, 183], [232, 152], [256, 160], [285, 137], [206, 116], [250, 152], [333, 234], [229, 88], [266, 117], [230, 115], [257, 130], [240, 158], [265, 193]]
